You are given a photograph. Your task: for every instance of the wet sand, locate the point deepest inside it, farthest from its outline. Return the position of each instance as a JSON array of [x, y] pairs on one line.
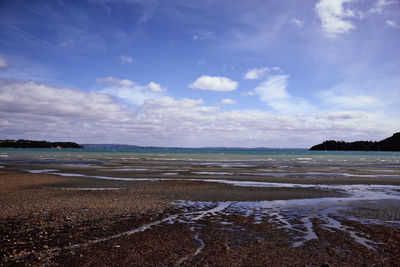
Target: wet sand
[[46, 220]]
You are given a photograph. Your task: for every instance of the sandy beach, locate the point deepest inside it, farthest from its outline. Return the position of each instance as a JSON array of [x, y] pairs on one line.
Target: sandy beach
[[55, 220]]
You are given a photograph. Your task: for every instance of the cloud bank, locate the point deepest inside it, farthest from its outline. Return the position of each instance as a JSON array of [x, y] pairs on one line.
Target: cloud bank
[[39, 111]]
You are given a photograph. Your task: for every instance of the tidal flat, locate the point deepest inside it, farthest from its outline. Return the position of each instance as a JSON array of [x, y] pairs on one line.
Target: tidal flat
[[157, 211]]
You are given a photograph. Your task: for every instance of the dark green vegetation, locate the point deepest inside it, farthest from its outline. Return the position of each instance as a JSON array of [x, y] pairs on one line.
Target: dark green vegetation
[[36, 144], [388, 144]]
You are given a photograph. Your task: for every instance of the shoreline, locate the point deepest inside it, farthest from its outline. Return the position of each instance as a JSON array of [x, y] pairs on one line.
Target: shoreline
[[47, 219]]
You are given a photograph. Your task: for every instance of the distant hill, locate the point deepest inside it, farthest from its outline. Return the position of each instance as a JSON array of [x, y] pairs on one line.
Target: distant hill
[[110, 146], [122, 146], [36, 144], [388, 144]]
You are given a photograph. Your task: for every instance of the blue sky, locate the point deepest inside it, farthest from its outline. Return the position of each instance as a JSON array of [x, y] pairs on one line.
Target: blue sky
[[200, 73]]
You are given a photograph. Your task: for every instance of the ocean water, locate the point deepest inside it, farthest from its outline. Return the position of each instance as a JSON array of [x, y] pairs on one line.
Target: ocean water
[[200, 154], [221, 163]]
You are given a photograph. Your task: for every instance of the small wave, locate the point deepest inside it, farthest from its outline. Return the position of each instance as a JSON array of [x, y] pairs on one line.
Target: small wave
[[42, 171]]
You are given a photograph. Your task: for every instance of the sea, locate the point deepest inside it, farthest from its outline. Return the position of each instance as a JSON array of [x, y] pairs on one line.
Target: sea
[[372, 158], [215, 163]]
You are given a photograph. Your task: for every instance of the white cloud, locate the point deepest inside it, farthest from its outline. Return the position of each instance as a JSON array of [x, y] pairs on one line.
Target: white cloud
[[343, 115], [380, 6], [201, 62], [248, 93], [228, 101], [69, 42], [297, 22], [214, 83], [273, 88], [349, 99], [202, 35], [364, 93], [125, 59], [155, 87], [3, 62], [38, 111], [392, 24], [333, 16], [116, 82], [39, 99], [273, 92], [256, 73], [128, 91]]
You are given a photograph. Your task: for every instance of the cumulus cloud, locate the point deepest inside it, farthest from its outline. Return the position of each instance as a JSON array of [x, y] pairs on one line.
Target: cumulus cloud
[[155, 87], [334, 17], [3, 62], [214, 83], [125, 59], [228, 101], [39, 99], [128, 91]]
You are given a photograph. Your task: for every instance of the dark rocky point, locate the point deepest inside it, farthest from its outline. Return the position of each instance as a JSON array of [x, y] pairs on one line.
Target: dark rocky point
[[36, 144], [388, 144]]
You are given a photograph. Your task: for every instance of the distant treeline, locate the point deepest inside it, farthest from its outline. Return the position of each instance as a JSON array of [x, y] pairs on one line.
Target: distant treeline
[[388, 144], [36, 144]]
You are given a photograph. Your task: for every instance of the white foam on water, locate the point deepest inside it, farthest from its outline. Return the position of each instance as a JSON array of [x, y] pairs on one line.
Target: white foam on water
[[304, 158], [123, 170], [42, 171], [268, 170], [316, 174], [214, 173], [78, 165], [70, 174], [382, 170]]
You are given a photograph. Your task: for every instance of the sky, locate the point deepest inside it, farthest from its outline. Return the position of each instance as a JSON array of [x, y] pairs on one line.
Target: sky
[[190, 73]]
